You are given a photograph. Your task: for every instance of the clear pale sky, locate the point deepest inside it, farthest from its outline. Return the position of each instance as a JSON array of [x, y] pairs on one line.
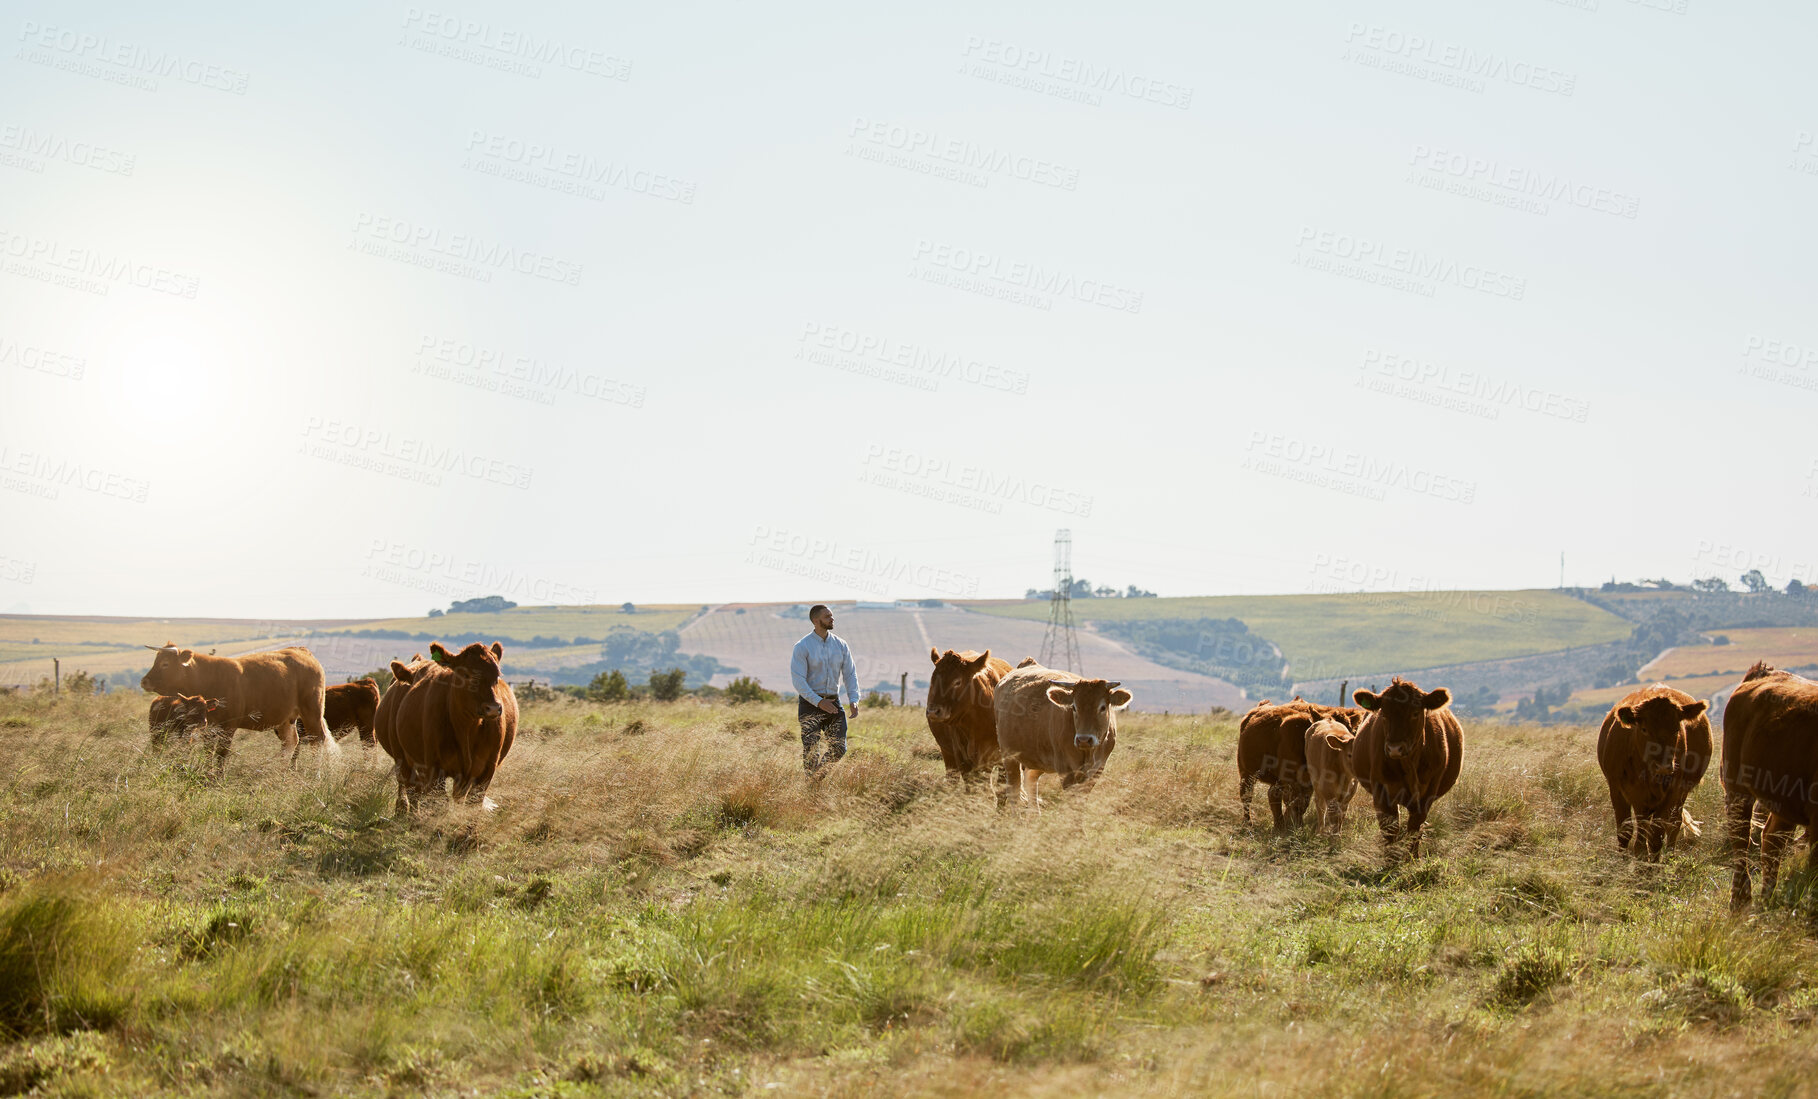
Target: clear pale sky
[[374, 306]]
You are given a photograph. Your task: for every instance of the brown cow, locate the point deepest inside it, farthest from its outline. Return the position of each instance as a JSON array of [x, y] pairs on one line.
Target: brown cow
[[351, 706], [1654, 747], [1770, 757], [1408, 752], [455, 718], [267, 690], [961, 714], [1271, 746], [1330, 772], [1051, 721], [183, 715]]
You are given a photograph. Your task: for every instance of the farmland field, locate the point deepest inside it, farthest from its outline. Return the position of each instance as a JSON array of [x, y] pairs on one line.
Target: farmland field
[[1325, 636], [662, 905]]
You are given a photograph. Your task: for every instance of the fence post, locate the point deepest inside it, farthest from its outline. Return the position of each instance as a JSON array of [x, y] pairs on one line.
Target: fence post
[[56, 677], [1341, 692], [902, 696]]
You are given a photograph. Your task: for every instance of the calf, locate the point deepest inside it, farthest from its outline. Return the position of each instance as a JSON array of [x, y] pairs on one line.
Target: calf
[[183, 715], [1654, 747], [1051, 721], [1408, 751], [1271, 747], [962, 713], [350, 706], [1329, 742], [1770, 758]]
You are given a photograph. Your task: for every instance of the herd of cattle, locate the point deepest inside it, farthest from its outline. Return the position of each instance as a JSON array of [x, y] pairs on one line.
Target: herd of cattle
[[448, 721]]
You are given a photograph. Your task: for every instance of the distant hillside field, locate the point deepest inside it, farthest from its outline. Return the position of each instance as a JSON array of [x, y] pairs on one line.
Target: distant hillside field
[[524, 623], [1338, 634], [1789, 647]]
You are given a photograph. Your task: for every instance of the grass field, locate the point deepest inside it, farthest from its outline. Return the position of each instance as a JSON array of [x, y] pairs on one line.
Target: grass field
[[1331, 635], [662, 905], [524, 623], [1783, 647]]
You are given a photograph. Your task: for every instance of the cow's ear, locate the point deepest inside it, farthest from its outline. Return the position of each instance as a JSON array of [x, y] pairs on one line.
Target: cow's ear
[[401, 672], [1691, 710], [979, 662], [189, 657], [437, 653], [1061, 696], [1625, 714], [1436, 698], [1120, 698], [933, 656], [498, 651], [1364, 699]]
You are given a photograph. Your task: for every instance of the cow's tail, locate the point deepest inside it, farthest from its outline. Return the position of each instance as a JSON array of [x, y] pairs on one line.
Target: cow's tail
[[1691, 827]]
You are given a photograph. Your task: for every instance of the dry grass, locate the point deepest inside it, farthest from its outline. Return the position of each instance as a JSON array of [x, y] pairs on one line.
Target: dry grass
[[664, 905]]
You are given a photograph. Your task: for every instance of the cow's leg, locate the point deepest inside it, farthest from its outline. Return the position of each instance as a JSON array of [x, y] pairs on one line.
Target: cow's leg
[[1298, 799], [1030, 793], [223, 737], [1278, 807], [315, 728], [1417, 820], [288, 742], [1388, 817], [1246, 789], [1652, 832], [1739, 814], [1776, 834], [1625, 827]]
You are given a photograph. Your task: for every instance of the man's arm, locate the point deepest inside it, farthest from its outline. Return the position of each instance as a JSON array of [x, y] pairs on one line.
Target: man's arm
[[798, 674], [851, 673]]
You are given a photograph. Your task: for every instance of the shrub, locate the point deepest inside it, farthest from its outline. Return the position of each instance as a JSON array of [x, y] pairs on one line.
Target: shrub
[[667, 686], [609, 687], [747, 689], [874, 700]]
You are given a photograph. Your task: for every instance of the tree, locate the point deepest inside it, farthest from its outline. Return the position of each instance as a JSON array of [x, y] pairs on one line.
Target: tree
[[746, 689], [1711, 584], [667, 686], [628, 607], [1134, 592], [486, 604], [1795, 586], [876, 700], [1754, 581], [381, 676], [609, 687], [435, 612]]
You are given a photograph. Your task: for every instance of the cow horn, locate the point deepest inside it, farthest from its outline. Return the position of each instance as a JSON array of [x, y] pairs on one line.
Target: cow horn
[[1113, 683], [155, 648]]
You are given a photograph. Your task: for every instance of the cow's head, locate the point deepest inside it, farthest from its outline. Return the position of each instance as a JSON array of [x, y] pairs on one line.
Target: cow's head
[[950, 684], [1659, 723], [476, 673], [1401, 711], [1333, 732], [170, 670], [1094, 704]]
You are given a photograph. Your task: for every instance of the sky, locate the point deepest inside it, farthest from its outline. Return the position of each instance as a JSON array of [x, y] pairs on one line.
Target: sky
[[348, 310]]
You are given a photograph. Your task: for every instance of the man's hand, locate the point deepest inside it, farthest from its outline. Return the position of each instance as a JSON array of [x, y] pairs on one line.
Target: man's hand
[[851, 711], [829, 706]]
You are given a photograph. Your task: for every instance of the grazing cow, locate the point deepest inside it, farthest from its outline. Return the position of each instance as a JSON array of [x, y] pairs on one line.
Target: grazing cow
[[1408, 751], [455, 718], [348, 706], [961, 714], [1329, 769], [267, 690], [1654, 747], [182, 714], [1271, 746], [1770, 757], [1050, 721]]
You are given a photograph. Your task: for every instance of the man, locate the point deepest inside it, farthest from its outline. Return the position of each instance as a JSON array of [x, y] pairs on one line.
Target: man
[[816, 666]]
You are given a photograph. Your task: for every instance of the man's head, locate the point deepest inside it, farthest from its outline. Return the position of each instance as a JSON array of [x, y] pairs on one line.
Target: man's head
[[821, 616]]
